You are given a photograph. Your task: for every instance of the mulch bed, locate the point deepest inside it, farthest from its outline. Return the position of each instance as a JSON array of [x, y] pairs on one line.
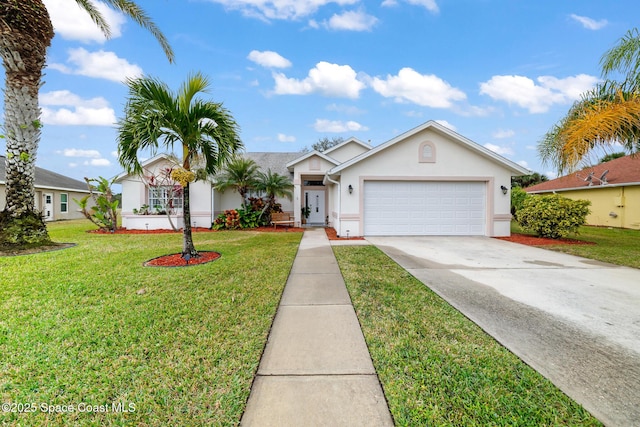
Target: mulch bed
[[333, 235], [176, 260], [199, 230], [525, 239]]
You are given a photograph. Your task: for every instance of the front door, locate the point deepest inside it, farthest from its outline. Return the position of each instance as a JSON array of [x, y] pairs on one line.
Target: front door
[[47, 206], [314, 200]]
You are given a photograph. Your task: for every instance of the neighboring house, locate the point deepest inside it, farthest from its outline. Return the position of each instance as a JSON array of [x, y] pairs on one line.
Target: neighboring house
[[54, 194], [612, 187], [427, 181]]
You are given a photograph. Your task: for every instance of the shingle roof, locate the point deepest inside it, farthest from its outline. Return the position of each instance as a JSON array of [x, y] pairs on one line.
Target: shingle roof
[[622, 171], [48, 179], [277, 162]]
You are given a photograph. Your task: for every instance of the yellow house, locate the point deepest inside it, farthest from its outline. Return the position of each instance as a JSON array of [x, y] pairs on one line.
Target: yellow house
[[612, 187]]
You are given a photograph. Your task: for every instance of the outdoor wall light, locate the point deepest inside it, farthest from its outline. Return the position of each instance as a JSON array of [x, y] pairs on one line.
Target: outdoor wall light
[[504, 189], [350, 189]]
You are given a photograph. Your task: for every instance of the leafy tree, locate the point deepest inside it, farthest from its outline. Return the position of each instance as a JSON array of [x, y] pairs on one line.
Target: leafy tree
[[104, 212], [612, 156], [25, 34], [525, 181], [240, 174], [325, 143], [155, 116], [606, 115], [274, 185]]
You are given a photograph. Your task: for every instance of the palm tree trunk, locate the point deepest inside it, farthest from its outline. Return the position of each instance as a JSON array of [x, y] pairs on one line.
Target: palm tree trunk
[[25, 34], [187, 241]]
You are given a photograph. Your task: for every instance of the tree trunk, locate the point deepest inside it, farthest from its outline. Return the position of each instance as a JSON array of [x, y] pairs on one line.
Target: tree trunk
[[187, 241], [25, 34]]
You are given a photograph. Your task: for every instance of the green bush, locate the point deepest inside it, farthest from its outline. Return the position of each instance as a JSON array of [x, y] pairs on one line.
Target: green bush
[[518, 196], [552, 216]]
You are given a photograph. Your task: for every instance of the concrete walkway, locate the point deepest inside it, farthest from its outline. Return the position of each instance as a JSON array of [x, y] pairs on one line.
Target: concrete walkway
[[316, 369]]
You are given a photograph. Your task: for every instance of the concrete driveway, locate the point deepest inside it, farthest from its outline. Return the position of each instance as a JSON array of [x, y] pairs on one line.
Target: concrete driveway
[[574, 320]]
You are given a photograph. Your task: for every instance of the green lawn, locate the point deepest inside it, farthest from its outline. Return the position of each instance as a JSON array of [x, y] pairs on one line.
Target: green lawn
[[75, 330], [614, 245], [437, 367]]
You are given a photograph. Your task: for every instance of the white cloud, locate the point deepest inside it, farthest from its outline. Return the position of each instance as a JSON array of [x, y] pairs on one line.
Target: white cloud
[[326, 79], [502, 150], [427, 90], [336, 126], [80, 116], [430, 5], [100, 64], [98, 162], [345, 109], [503, 133], [269, 59], [87, 112], [280, 9], [73, 23], [286, 138], [77, 152], [588, 23], [523, 163], [537, 97], [351, 21], [446, 124]]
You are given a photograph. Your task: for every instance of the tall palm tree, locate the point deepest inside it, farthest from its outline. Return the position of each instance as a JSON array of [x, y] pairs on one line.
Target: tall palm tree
[[240, 174], [274, 185], [608, 114], [25, 34], [156, 117]]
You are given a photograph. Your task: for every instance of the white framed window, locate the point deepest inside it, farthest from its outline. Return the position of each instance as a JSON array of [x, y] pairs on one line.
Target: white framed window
[[162, 197], [64, 202]]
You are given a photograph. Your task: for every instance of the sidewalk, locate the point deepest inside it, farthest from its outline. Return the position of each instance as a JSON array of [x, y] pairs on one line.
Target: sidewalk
[[316, 369]]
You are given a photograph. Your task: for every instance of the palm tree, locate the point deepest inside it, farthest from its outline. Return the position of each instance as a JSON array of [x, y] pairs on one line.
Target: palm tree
[[25, 34], [608, 114], [240, 174], [155, 116], [274, 185]]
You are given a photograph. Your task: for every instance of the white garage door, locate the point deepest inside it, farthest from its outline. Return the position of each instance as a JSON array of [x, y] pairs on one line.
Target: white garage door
[[413, 208]]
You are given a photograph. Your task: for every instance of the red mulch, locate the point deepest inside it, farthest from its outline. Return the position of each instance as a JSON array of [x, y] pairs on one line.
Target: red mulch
[[195, 230], [332, 234], [176, 260], [542, 241]]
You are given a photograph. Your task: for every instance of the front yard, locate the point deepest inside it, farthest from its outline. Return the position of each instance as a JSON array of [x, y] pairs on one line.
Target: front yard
[[91, 326]]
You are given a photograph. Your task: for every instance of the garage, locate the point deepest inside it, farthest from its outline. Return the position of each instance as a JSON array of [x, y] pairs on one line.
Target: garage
[[415, 208]]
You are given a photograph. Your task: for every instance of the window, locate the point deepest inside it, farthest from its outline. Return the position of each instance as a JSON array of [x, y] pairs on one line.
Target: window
[[427, 152], [64, 206], [162, 197]]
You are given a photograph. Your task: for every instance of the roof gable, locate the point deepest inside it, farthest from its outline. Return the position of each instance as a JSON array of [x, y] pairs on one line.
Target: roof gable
[[453, 136], [621, 171], [48, 179], [291, 165]]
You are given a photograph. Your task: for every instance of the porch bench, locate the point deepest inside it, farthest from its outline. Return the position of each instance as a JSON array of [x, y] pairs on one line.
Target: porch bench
[[282, 218]]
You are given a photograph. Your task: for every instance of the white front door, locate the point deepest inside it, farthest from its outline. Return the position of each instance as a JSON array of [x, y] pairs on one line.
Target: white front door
[[314, 200], [47, 206]]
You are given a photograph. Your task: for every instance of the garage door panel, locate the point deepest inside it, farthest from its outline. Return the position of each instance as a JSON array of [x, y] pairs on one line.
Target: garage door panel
[[424, 208]]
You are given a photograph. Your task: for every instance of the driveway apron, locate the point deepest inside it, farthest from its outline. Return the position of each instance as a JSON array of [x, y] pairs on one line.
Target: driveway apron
[[316, 369], [574, 320]]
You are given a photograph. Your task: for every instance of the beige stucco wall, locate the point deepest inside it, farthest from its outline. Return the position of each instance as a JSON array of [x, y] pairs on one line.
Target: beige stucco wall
[[401, 161], [611, 206], [73, 210]]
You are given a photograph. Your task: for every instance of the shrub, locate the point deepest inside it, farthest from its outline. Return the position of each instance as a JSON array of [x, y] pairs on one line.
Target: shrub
[[518, 196], [552, 216]]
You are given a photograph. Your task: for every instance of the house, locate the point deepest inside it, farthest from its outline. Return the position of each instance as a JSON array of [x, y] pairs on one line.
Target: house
[[54, 194], [427, 181], [613, 188]]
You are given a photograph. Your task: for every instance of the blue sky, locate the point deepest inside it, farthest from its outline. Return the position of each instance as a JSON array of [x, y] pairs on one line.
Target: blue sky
[[500, 72]]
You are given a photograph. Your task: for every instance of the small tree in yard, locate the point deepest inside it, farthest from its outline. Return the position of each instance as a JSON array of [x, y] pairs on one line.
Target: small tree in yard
[[104, 212], [168, 189], [518, 196], [552, 216]]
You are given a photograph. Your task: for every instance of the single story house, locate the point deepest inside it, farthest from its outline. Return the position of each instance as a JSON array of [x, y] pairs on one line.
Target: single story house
[[54, 193], [612, 187], [427, 181]]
